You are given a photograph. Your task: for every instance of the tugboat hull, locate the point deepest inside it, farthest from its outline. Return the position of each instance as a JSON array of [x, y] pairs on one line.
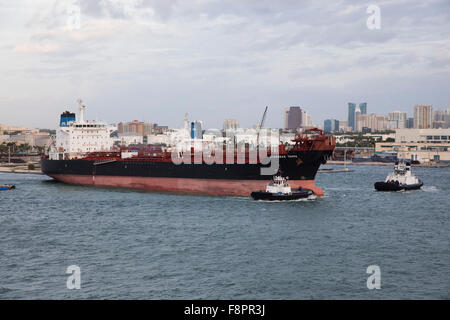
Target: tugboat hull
[[268, 196], [389, 186]]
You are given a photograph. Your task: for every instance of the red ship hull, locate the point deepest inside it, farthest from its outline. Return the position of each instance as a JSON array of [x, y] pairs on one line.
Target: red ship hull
[[182, 185]]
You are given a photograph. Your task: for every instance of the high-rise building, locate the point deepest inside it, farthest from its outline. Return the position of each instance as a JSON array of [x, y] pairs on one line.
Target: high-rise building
[[331, 125], [159, 129], [441, 119], [306, 119], [196, 130], [352, 109], [447, 118], [363, 107], [286, 118], [356, 119], [138, 127], [351, 115], [373, 122], [423, 117], [343, 126], [230, 124], [410, 123], [294, 118], [397, 120]]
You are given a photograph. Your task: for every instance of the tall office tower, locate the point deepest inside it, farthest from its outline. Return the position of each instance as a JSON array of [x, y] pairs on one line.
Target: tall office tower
[[327, 125], [351, 115], [285, 118], [423, 117], [357, 126], [397, 120], [331, 125], [410, 123], [363, 107], [447, 118], [294, 118], [306, 119], [438, 115]]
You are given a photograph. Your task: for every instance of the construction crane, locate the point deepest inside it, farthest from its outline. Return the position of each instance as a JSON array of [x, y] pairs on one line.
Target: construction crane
[[263, 118], [260, 126]]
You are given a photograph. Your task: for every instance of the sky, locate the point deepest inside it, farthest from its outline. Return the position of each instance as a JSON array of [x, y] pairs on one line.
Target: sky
[[155, 60]]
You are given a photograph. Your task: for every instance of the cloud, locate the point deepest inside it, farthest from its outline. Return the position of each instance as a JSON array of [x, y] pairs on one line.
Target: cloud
[[36, 48], [157, 56]]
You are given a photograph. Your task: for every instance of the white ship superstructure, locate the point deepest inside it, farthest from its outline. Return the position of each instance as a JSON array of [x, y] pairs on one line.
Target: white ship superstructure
[[76, 138], [279, 185], [402, 173], [401, 179]]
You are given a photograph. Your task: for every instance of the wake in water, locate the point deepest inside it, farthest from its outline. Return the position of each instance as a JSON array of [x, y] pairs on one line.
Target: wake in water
[[430, 188], [310, 198]]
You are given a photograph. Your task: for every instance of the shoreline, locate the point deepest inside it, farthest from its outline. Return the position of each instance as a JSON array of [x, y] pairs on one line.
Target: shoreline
[[20, 171], [370, 163]]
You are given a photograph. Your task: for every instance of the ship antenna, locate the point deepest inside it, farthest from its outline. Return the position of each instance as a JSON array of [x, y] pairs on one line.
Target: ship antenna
[[81, 107]]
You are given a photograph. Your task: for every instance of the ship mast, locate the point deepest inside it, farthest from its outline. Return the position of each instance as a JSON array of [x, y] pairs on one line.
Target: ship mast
[[81, 107]]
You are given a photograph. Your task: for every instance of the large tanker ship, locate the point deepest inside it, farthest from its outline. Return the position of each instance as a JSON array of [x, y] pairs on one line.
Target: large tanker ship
[[232, 172]]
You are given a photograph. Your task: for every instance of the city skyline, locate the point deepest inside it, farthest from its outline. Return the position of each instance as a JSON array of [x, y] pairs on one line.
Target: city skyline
[[155, 61]]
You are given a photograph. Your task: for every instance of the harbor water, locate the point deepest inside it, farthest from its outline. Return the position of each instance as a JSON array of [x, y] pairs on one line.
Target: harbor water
[[141, 245]]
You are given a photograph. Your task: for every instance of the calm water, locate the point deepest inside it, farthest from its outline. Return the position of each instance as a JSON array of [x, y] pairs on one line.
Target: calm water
[[139, 245]]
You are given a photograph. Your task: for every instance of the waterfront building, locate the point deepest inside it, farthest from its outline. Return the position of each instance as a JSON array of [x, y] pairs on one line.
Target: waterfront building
[[423, 117], [441, 119], [410, 123], [129, 138], [353, 112], [363, 107], [306, 120], [138, 127], [397, 120], [7, 129], [358, 123], [230, 124], [419, 144], [285, 118], [343, 126], [331, 125], [351, 115], [159, 129], [294, 118], [196, 130], [371, 122], [35, 139]]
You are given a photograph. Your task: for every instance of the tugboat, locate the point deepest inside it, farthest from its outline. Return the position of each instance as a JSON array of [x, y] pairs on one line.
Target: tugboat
[[4, 187], [278, 189], [400, 179]]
